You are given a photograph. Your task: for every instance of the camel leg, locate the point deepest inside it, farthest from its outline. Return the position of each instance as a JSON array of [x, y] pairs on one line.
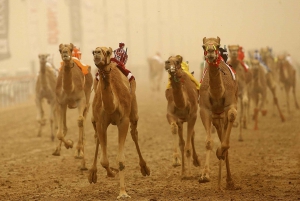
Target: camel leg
[[196, 160], [133, 129], [181, 147], [221, 151], [122, 128], [230, 184], [241, 119], [61, 131], [294, 94], [134, 134], [40, 116], [206, 120], [188, 145], [174, 131], [79, 153], [93, 170], [102, 137], [287, 99], [52, 119]]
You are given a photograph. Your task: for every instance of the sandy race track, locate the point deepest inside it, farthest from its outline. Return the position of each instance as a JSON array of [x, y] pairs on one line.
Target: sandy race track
[[266, 165]]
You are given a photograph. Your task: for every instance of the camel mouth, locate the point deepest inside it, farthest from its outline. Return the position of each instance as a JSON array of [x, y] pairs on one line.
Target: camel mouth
[[97, 60], [66, 57]]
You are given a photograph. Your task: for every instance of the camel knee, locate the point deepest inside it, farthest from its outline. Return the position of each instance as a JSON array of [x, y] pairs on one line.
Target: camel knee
[[80, 121], [59, 135], [232, 113], [174, 128], [209, 144]]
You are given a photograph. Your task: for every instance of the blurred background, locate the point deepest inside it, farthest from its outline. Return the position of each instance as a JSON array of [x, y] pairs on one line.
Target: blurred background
[[30, 27]]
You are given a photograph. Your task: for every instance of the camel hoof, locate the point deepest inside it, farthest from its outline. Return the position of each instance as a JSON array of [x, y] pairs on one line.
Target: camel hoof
[[69, 144], [176, 162], [145, 170], [56, 152], [83, 168], [123, 196], [52, 138], [196, 161], [204, 179], [111, 172], [230, 186], [92, 176], [78, 154], [241, 139]]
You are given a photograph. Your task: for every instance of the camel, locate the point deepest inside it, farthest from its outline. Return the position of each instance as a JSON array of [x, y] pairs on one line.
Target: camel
[[45, 89], [218, 106], [156, 69], [243, 77], [258, 90], [287, 76], [73, 90], [182, 107], [270, 83], [114, 103]]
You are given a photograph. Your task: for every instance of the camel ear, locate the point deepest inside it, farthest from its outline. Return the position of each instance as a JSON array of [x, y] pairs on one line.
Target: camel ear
[[218, 39], [204, 48], [108, 54], [204, 40], [60, 47], [71, 46]]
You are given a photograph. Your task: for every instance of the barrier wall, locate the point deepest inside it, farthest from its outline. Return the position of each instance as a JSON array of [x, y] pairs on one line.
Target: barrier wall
[[16, 89]]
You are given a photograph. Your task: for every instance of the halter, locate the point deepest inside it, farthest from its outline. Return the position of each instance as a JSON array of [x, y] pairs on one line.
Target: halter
[[219, 58]]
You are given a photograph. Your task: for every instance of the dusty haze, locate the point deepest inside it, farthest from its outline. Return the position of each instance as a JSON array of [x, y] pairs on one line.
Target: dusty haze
[[170, 26]]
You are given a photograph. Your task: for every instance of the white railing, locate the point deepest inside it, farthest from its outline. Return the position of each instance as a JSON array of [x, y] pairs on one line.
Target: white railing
[[16, 89]]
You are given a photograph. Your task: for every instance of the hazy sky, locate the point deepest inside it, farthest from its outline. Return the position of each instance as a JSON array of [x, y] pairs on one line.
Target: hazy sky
[[168, 26]]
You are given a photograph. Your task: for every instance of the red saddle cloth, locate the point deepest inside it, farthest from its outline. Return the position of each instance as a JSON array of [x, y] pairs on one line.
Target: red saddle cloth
[[123, 69]]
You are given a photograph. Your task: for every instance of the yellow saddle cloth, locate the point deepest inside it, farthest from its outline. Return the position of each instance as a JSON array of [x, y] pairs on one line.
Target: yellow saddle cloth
[[84, 68]]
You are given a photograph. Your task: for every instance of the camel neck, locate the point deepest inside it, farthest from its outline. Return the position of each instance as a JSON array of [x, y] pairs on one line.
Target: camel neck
[[216, 86], [42, 67], [176, 83], [108, 97], [68, 85]]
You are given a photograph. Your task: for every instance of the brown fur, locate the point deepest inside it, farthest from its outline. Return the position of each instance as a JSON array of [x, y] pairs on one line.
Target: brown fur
[[73, 90], [218, 105], [45, 89], [287, 76], [182, 107], [114, 103], [243, 79]]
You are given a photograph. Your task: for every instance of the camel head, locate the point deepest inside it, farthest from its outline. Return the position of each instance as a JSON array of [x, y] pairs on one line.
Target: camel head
[[102, 56], [66, 51], [281, 60], [211, 49], [266, 52], [233, 51], [43, 58], [173, 64]]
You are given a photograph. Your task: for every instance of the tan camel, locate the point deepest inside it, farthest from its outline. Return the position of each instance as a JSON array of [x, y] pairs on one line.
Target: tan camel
[[45, 89], [258, 90], [73, 90], [218, 105], [243, 77], [114, 103], [182, 107], [287, 76], [270, 83], [156, 70]]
